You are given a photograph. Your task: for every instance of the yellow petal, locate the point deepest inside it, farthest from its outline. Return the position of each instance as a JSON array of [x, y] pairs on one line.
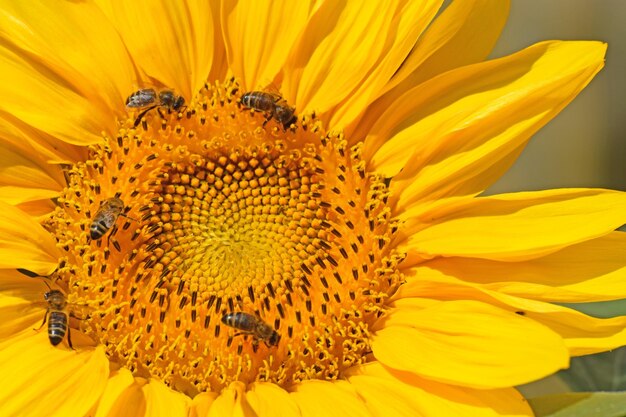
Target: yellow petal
[[171, 41], [42, 147], [513, 227], [24, 243], [464, 33], [317, 398], [23, 179], [582, 334], [270, 400], [18, 295], [16, 284], [39, 379], [341, 44], [130, 402], [401, 394], [455, 341], [119, 382], [231, 402], [467, 126], [27, 178], [219, 67], [75, 42], [161, 401], [259, 36], [45, 102], [201, 404], [408, 24], [590, 271]]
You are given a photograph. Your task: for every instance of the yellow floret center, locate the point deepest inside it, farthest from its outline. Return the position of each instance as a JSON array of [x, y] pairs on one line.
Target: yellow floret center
[[225, 213]]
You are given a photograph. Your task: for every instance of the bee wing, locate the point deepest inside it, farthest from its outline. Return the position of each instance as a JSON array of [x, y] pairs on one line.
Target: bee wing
[[273, 91], [109, 218], [141, 98]]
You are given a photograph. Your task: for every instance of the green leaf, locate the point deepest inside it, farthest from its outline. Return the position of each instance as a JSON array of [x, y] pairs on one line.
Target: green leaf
[[600, 372], [580, 404]]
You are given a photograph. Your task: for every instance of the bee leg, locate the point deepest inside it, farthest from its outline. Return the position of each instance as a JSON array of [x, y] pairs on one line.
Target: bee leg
[[69, 338], [140, 116], [45, 317], [255, 345], [161, 112], [111, 233], [128, 217], [268, 117]]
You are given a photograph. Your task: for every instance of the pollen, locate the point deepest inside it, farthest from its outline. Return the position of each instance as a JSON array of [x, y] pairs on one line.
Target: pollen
[[227, 211]]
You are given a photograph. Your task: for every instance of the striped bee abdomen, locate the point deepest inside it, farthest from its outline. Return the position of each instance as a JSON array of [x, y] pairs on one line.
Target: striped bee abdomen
[[98, 229], [57, 327]]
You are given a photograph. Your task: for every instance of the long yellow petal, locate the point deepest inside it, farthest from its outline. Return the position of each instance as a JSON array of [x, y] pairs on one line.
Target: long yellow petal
[[317, 398], [341, 44], [24, 180], [231, 402], [259, 36], [270, 400], [582, 334], [161, 401], [402, 394], [463, 34], [118, 382], [18, 295], [590, 271], [410, 21], [219, 66], [47, 34], [24, 243], [41, 146], [467, 126], [455, 341], [45, 102], [131, 402], [170, 41], [514, 227], [201, 404], [33, 368]]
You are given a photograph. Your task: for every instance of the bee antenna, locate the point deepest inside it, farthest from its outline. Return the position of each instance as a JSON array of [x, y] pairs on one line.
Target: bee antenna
[[28, 273], [46, 282]]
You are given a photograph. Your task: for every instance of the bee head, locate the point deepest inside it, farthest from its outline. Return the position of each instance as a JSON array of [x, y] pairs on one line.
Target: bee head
[[180, 102]]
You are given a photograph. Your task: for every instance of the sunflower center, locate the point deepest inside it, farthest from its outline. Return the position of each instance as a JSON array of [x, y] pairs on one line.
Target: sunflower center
[[244, 251]]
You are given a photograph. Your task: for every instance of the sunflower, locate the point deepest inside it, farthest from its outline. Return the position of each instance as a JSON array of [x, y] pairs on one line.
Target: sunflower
[[341, 262]]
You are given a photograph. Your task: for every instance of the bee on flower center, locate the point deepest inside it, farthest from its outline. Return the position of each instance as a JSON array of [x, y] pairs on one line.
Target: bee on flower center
[[252, 325], [149, 99], [106, 216], [273, 105]]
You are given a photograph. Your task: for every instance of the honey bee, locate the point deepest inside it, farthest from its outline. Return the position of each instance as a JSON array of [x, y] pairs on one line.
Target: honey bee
[[271, 104], [110, 209], [148, 97], [59, 317], [252, 325]]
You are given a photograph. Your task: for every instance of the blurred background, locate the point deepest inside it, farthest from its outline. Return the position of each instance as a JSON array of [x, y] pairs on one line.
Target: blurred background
[[585, 145]]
